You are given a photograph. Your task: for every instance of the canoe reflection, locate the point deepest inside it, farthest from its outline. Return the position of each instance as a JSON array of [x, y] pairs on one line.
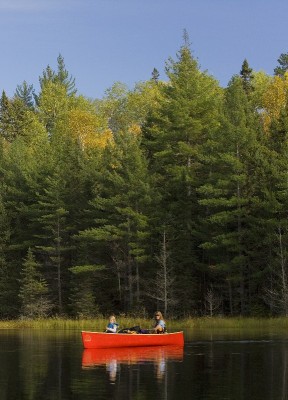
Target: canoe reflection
[[112, 358]]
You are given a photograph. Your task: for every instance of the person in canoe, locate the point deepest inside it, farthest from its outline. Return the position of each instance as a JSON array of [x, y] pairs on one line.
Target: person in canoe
[[160, 325], [112, 325]]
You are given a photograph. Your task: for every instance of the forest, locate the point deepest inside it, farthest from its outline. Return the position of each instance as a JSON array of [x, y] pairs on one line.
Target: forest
[[172, 195]]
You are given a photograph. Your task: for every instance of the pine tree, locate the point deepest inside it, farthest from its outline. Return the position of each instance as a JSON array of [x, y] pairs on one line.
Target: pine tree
[[231, 196], [155, 75], [59, 212], [82, 298], [15, 120], [277, 234], [33, 290], [64, 78], [174, 136], [26, 93], [119, 235], [55, 232], [5, 118], [283, 65], [246, 75], [8, 284], [61, 76]]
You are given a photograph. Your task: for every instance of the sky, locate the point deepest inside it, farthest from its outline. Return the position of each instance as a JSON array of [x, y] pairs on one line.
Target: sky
[[108, 41]]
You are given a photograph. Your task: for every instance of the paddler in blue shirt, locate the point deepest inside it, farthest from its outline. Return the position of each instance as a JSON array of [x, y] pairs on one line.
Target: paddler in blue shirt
[[112, 325]]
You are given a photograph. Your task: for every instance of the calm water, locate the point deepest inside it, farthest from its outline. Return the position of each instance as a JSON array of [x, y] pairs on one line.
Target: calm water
[[37, 365]]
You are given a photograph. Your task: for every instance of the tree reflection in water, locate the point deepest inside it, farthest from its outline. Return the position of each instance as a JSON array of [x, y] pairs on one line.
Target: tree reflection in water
[[52, 365]]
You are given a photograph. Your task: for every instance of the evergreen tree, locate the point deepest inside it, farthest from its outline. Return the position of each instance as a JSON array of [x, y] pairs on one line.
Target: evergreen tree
[[5, 120], [277, 232], [155, 75], [14, 121], [231, 197], [26, 93], [174, 137], [64, 78], [246, 75], [119, 235], [83, 299], [8, 286], [33, 290], [283, 65], [61, 76], [59, 212], [53, 219], [20, 169]]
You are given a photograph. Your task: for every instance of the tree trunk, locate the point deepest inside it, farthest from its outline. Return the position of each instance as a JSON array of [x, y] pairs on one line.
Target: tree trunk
[[239, 230], [58, 257]]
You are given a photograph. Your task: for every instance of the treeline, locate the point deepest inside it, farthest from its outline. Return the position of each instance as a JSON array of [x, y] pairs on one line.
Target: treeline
[[172, 195]]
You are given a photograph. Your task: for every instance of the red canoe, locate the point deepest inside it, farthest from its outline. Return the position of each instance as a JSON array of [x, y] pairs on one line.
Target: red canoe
[[92, 340]]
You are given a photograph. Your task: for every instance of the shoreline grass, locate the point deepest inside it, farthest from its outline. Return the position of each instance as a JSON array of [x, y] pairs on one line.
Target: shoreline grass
[[214, 323]]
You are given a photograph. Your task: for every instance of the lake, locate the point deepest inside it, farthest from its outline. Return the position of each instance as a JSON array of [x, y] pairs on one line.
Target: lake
[[52, 365]]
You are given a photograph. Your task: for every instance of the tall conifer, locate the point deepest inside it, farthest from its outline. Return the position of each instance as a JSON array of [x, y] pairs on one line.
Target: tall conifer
[[174, 137]]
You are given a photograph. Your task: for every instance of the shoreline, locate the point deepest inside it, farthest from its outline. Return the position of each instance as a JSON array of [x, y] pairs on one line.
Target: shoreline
[[185, 323]]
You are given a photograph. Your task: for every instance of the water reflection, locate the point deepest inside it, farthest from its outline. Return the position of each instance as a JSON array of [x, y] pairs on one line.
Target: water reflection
[[113, 358], [53, 366]]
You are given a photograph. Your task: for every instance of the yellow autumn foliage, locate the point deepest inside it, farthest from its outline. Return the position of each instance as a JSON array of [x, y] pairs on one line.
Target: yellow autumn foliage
[[274, 100], [87, 129], [134, 129]]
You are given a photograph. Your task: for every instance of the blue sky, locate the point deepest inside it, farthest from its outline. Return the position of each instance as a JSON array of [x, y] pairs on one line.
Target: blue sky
[[105, 41]]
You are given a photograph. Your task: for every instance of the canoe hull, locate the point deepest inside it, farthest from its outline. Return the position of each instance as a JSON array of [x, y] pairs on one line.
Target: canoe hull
[[92, 340]]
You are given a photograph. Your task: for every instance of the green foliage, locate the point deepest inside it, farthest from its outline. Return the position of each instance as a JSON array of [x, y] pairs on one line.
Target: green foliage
[[283, 65], [61, 76], [13, 119], [91, 186], [8, 286], [25, 93], [79, 269], [175, 134], [246, 75], [33, 290], [119, 210]]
